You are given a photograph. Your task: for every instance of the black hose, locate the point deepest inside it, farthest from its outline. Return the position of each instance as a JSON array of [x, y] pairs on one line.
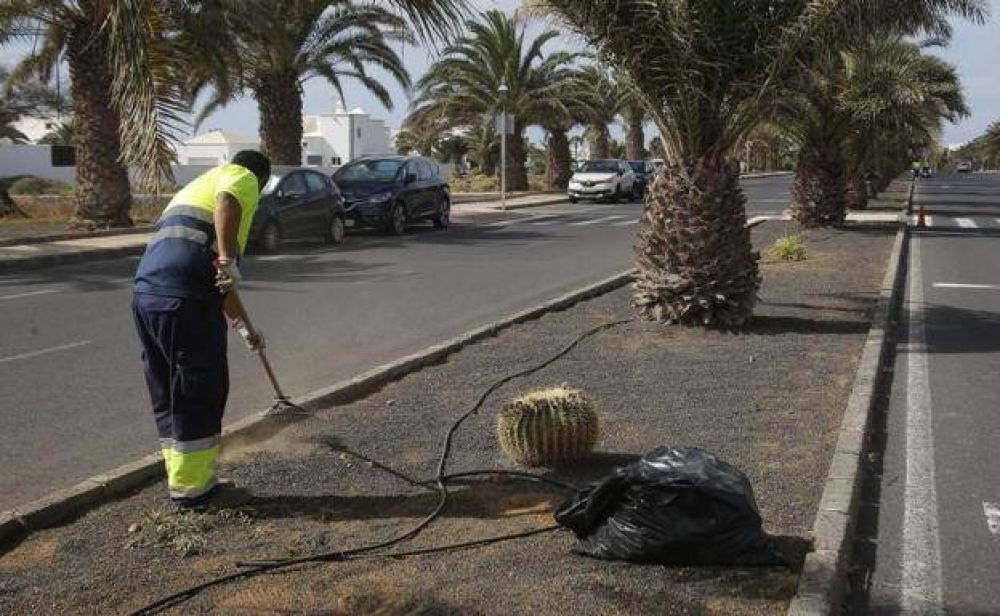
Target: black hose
[[439, 485]]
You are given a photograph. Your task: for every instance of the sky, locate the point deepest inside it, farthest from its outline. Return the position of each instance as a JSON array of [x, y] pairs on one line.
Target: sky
[[974, 49]]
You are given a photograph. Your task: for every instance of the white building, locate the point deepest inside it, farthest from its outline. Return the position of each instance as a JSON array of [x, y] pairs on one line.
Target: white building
[[34, 128], [214, 148], [328, 140]]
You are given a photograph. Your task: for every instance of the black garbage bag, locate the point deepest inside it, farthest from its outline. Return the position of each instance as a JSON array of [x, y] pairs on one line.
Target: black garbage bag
[[677, 506]]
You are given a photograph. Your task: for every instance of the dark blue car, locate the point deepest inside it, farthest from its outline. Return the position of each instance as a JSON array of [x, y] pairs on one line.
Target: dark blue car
[[392, 191]]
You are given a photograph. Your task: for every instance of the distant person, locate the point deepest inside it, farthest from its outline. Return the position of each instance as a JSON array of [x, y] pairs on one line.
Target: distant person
[[915, 168], [180, 303]]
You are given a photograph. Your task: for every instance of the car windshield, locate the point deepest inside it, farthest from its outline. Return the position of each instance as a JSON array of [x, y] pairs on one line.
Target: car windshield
[[368, 171], [637, 165], [599, 166]]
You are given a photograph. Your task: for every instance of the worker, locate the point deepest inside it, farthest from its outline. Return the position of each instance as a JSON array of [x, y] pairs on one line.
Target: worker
[[915, 168], [181, 299]]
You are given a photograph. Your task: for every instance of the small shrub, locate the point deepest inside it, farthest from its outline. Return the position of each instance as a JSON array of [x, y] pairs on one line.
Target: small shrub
[[474, 183], [788, 248], [32, 185], [181, 531]]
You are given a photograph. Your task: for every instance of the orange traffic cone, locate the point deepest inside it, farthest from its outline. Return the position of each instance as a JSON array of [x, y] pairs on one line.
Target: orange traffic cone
[[921, 221]]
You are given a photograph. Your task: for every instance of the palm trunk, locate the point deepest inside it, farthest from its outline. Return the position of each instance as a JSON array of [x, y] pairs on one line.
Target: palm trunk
[[635, 138], [599, 144], [696, 265], [857, 192], [517, 171], [819, 191], [559, 167], [102, 198], [280, 100]]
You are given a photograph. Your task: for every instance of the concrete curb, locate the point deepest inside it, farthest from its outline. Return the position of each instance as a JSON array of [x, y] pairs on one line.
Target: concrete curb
[[822, 584], [13, 265], [70, 235], [63, 504]]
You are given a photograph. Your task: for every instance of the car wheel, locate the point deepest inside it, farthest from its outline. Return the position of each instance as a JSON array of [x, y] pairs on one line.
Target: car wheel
[[270, 238], [335, 233], [396, 224], [617, 197], [573, 200], [637, 192], [442, 220]]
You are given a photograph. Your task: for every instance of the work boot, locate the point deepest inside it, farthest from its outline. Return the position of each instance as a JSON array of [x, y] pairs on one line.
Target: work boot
[[225, 495]]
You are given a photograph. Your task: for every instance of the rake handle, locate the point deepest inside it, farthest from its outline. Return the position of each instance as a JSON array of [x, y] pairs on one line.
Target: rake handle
[[236, 304]]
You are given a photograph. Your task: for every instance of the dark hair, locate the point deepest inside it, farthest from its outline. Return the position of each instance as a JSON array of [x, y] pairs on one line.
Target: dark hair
[[255, 162]]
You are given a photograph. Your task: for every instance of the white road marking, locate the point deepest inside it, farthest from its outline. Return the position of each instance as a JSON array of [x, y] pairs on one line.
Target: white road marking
[[553, 220], [273, 257], [963, 285], [992, 513], [64, 347], [921, 558], [966, 223], [28, 294], [595, 221], [514, 221], [626, 223]]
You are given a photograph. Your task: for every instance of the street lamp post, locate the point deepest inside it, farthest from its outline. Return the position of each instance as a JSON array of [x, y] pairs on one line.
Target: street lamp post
[[503, 146]]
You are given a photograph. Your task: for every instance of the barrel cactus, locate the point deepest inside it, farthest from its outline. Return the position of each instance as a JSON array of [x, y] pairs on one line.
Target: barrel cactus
[[547, 427]]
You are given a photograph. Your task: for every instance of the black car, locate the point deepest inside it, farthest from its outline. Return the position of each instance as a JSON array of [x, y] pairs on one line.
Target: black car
[[644, 172], [392, 191], [297, 203]]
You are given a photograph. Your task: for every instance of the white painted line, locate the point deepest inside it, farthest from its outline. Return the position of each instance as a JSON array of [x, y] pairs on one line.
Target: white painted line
[[65, 347], [552, 220], [921, 555], [273, 257], [992, 513], [596, 221], [626, 223], [514, 221], [966, 223], [962, 285], [28, 294]]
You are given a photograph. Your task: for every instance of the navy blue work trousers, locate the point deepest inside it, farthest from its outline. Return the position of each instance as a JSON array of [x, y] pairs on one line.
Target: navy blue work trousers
[[187, 372]]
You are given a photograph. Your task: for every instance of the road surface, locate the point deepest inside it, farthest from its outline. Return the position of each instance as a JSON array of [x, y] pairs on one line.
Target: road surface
[[74, 402], [929, 536]]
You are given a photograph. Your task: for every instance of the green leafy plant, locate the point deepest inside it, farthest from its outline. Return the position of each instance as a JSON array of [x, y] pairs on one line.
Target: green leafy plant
[[788, 248], [547, 427], [181, 531]]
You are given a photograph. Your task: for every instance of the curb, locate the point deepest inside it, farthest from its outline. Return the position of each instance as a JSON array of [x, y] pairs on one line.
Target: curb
[[70, 235], [99, 489], [22, 264], [823, 581]]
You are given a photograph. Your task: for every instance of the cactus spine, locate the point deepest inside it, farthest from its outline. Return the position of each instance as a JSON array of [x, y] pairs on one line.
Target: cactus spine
[[547, 427]]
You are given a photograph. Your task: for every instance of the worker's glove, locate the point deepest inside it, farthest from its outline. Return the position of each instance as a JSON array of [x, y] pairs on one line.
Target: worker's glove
[[254, 341], [227, 275]]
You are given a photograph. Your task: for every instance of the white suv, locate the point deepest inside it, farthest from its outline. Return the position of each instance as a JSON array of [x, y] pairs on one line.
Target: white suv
[[602, 179]]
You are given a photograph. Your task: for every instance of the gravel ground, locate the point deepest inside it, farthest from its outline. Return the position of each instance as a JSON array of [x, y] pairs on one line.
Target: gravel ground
[[768, 400]]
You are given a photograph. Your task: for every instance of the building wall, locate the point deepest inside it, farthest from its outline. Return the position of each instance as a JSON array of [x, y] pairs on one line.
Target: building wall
[[220, 153], [32, 160]]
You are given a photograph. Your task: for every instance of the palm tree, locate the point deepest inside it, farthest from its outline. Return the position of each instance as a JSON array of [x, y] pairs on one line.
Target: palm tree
[[60, 135], [484, 145], [281, 45], [847, 101], [708, 73], [127, 61], [606, 98], [464, 86], [7, 128]]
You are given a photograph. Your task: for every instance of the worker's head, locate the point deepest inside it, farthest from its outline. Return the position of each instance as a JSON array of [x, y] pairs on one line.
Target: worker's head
[[256, 163]]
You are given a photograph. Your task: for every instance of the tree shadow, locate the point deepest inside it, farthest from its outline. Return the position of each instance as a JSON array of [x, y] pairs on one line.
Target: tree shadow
[[952, 330], [772, 325]]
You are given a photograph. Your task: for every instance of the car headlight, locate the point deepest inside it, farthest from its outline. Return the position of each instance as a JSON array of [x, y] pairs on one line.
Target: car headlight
[[381, 197], [575, 184]]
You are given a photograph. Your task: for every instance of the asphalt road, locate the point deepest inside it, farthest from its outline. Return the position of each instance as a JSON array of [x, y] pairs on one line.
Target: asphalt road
[[74, 403], [930, 536]]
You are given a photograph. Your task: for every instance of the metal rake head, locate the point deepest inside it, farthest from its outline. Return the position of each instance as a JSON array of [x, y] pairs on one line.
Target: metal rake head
[[283, 407]]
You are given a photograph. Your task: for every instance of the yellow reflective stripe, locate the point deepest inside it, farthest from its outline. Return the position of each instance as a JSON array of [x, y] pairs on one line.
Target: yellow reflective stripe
[[190, 474]]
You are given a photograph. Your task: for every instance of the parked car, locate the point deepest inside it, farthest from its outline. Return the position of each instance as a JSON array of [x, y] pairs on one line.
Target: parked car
[[392, 191], [602, 179], [297, 203], [964, 167], [644, 173]]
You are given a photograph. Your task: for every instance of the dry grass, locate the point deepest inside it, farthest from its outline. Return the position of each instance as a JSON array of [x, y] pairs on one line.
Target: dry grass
[[59, 208]]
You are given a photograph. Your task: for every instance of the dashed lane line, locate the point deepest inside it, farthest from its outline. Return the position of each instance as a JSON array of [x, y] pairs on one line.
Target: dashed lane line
[[992, 513], [966, 223], [64, 347], [626, 223], [27, 294], [596, 221]]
